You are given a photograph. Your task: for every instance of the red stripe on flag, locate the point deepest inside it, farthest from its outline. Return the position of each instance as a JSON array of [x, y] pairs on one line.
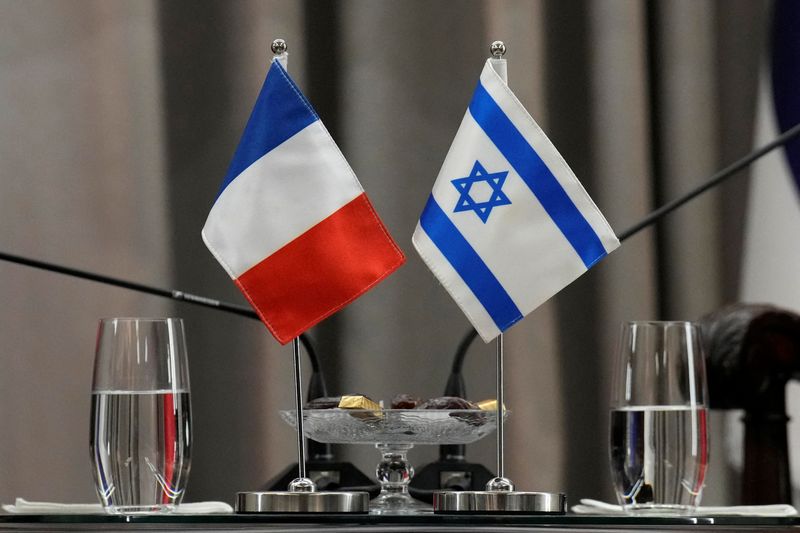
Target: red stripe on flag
[[170, 443], [322, 270]]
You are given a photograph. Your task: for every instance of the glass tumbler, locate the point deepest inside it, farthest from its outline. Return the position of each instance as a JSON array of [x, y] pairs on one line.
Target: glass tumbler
[[141, 430], [659, 418]]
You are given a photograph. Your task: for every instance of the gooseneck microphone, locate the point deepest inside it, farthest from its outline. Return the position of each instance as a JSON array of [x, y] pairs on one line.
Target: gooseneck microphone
[[660, 213], [711, 182], [321, 459], [452, 471], [452, 457], [172, 294], [456, 387]]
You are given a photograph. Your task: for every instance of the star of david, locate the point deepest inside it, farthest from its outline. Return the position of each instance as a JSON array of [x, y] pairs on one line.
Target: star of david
[[483, 209]]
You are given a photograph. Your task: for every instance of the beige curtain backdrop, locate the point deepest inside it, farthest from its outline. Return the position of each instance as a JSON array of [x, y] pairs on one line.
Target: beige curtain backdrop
[[118, 122], [82, 182]]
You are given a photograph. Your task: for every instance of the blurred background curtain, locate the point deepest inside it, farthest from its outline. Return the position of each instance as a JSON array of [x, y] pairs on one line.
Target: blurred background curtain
[[119, 119]]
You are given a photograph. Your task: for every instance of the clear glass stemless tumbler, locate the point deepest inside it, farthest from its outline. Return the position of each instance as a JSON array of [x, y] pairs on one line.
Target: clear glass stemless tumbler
[[659, 418], [141, 417]]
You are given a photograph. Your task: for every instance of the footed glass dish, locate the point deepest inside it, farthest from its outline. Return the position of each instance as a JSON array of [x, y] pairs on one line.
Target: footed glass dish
[[393, 432]]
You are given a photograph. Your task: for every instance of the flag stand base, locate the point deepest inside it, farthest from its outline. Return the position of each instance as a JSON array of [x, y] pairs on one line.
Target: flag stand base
[[302, 502], [499, 496], [490, 501]]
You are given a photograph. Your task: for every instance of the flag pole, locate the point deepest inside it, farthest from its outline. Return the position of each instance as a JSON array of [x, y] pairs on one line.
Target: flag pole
[[302, 495], [500, 483], [301, 483], [499, 494], [499, 397]]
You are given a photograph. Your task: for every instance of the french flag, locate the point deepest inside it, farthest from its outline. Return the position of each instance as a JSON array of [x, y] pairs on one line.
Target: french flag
[[291, 224]]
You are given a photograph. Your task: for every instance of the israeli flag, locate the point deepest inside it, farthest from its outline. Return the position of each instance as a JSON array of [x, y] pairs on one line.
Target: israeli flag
[[508, 224]]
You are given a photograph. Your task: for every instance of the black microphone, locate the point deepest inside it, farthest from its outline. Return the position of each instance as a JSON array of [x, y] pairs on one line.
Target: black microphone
[[451, 471], [456, 387], [321, 466], [452, 456], [669, 207]]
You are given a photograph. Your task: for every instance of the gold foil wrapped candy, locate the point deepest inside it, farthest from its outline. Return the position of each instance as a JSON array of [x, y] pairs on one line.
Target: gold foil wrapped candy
[[489, 405], [358, 402]]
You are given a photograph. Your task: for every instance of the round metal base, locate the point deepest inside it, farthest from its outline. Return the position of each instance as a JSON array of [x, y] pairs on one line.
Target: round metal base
[[499, 502], [302, 502]]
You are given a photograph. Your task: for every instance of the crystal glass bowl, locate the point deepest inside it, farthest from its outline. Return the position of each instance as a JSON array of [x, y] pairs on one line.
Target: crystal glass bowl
[[395, 426], [393, 432]]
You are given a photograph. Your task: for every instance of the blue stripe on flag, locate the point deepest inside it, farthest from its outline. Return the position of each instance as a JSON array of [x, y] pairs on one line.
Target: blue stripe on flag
[[280, 111], [469, 265], [527, 163], [786, 75]]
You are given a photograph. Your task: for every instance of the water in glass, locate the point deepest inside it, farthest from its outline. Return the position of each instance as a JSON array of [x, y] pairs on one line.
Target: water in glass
[[141, 430], [140, 448], [658, 431], [659, 455]]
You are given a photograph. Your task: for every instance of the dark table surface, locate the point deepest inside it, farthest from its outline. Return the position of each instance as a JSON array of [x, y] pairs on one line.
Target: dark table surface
[[275, 523]]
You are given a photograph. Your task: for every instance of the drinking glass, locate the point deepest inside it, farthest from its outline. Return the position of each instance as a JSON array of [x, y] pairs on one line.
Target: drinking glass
[[659, 418], [141, 416]]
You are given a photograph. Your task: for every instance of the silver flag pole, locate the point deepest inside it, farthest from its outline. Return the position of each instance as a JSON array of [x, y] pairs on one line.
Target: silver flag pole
[[500, 483], [500, 464], [302, 483], [500, 495]]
